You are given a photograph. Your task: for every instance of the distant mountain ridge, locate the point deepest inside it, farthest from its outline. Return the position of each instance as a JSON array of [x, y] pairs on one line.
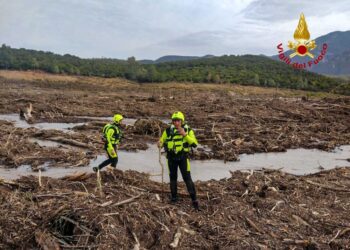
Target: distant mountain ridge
[[173, 58], [337, 59]]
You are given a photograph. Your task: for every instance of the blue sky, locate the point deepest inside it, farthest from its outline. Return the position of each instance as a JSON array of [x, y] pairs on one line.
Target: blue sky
[[153, 28]]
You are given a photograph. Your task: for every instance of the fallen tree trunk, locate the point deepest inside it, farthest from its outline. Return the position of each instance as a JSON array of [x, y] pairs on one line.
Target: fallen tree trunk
[[69, 142]]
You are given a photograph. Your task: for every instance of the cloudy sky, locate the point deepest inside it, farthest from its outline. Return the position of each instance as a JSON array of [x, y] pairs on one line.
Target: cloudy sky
[[153, 28]]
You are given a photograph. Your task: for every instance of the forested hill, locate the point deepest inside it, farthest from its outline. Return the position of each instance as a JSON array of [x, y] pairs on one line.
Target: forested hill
[[337, 59], [247, 70]]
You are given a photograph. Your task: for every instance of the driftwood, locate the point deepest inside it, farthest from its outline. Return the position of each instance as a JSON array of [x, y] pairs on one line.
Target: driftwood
[[178, 234], [107, 203], [84, 228], [337, 234], [277, 204], [344, 231], [302, 221], [328, 187], [76, 177], [126, 201], [11, 184], [27, 114], [69, 141], [46, 241], [179, 193], [8, 182], [176, 240], [220, 223], [99, 182], [296, 242], [253, 225], [65, 208], [137, 242]]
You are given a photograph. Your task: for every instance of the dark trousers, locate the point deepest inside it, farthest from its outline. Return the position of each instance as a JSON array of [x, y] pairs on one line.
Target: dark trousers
[[184, 165], [111, 160]]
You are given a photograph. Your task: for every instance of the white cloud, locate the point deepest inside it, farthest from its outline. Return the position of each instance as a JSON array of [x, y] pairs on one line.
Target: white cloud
[[151, 28]]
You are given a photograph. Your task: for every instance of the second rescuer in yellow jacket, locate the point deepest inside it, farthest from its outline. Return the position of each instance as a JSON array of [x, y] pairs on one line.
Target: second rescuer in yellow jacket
[[177, 141], [112, 135]]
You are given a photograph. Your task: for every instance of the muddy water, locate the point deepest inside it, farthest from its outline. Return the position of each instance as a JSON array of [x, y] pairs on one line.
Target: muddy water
[[44, 125], [126, 121], [63, 126], [295, 161]]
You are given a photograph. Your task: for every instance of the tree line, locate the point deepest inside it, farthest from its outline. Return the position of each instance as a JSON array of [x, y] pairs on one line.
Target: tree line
[[244, 70]]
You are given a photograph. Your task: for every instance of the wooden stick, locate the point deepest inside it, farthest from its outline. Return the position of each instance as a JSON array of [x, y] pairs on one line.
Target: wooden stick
[[277, 203], [126, 201], [345, 231], [328, 187], [160, 159], [163, 225], [107, 203], [162, 169], [40, 184], [137, 244], [178, 234], [180, 194], [176, 239], [87, 230], [109, 214], [8, 138], [300, 220], [252, 224], [51, 195], [334, 237], [99, 182], [69, 141], [46, 241], [250, 175]]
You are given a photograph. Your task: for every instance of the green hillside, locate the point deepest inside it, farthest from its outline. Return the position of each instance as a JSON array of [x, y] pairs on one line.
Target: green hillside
[[246, 70]]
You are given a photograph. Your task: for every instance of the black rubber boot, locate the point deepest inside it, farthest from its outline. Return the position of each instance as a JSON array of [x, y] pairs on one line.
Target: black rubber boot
[[173, 190], [195, 204], [173, 199]]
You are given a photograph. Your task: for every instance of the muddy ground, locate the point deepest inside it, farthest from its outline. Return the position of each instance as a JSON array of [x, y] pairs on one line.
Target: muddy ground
[[256, 210], [229, 120]]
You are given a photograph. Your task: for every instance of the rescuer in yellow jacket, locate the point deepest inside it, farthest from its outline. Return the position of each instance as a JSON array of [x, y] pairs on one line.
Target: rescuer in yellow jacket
[[112, 135], [177, 141]]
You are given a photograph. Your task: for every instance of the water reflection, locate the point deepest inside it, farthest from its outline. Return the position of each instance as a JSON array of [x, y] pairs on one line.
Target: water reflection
[[294, 161]]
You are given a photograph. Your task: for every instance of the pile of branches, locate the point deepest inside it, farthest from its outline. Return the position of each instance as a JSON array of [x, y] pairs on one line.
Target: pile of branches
[[124, 210], [152, 127]]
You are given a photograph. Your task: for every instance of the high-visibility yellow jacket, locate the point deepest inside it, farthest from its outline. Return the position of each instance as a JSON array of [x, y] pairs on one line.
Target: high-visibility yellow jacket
[[175, 143], [112, 135]]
